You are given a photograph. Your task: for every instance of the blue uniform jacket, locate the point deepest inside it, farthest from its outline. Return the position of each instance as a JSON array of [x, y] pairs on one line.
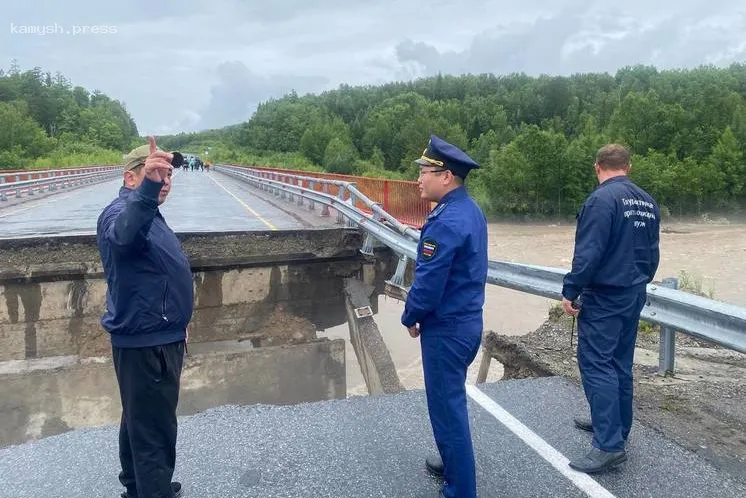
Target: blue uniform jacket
[[616, 241], [150, 296], [447, 295]]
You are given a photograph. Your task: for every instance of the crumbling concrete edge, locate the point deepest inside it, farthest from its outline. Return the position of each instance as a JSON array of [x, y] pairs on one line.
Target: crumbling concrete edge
[[518, 362]]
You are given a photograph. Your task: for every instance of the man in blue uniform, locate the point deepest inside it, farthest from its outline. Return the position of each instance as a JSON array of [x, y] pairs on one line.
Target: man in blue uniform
[[444, 308], [616, 256]]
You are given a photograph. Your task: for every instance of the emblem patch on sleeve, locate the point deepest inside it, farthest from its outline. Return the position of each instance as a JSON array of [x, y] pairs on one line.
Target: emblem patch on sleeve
[[429, 248]]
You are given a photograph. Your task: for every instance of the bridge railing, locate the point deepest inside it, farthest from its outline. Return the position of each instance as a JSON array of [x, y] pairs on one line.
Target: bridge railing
[[674, 310], [20, 175], [399, 198], [18, 188]]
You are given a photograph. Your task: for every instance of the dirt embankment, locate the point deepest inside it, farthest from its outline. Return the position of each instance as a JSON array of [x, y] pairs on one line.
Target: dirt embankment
[[702, 407]]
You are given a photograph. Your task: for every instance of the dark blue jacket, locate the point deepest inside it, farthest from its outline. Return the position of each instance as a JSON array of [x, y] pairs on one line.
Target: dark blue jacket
[[616, 240], [149, 300], [447, 294]]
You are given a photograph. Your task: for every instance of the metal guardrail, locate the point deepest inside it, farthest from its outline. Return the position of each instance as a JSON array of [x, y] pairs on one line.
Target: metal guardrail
[[345, 189], [51, 184], [674, 310], [400, 198], [10, 176]]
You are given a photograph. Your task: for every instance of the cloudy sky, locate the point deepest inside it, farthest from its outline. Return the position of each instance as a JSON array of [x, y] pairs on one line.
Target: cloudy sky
[[188, 65]]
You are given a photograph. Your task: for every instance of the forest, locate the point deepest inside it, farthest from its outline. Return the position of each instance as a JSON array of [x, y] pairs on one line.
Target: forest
[[535, 137], [45, 121]]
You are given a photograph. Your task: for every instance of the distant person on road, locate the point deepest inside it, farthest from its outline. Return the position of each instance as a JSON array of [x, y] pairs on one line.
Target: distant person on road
[[149, 304], [444, 308], [616, 256]]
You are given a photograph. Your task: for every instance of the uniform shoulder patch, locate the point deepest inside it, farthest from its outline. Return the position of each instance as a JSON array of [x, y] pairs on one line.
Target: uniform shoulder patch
[[438, 209], [429, 248]]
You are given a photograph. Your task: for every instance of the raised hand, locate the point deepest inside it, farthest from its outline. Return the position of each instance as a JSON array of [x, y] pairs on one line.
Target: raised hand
[[158, 163]]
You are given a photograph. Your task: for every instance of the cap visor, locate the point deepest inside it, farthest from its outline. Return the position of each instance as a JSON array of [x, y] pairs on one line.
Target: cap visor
[[423, 162]]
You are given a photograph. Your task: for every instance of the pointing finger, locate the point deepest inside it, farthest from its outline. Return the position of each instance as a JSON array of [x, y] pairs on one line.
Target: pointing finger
[[151, 141]]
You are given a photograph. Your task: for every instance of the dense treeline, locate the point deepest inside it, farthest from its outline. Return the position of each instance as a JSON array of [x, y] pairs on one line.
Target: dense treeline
[[535, 137], [45, 121]]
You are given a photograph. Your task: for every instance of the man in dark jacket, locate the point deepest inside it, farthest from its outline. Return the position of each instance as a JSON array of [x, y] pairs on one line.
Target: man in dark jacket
[[616, 256], [149, 304]]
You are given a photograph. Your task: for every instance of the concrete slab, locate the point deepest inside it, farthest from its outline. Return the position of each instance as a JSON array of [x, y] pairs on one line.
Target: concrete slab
[[373, 356], [48, 396], [52, 294]]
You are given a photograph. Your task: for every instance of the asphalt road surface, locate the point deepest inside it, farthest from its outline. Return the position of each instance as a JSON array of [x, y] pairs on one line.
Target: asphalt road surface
[[373, 447], [198, 202]]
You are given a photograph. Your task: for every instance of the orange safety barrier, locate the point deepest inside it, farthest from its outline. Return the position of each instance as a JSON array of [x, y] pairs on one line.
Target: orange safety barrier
[[399, 198]]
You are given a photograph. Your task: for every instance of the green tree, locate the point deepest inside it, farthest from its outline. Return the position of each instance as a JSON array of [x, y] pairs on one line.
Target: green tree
[[339, 157], [21, 138], [728, 161]]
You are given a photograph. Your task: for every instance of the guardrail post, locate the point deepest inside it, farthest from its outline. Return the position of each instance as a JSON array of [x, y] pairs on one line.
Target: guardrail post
[[341, 198], [395, 287], [367, 248], [325, 208], [300, 193], [311, 204], [348, 222], [667, 346]]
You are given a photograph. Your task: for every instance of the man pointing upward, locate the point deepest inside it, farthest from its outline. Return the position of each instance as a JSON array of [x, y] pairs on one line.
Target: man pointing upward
[[149, 303]]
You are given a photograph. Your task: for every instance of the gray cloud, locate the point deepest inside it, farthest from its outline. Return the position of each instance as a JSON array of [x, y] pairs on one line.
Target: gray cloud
[[597, 41], [185, 65], [239, 91]]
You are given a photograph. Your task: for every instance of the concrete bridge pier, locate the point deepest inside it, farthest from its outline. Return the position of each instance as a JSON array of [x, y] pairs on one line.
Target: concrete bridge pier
[[260, 298]]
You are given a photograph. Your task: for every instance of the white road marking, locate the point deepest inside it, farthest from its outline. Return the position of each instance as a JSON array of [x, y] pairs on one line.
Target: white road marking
[[583, 481]]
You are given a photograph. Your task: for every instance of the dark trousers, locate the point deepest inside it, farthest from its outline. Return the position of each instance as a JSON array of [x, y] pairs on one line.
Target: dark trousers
[[607, 331], [445, 360], [149, 389]]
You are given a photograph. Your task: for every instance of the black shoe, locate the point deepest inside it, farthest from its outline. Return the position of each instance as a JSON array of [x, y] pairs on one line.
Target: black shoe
[[583, 424], [434, 465], [175, 487], [586, 425], [598, 461]]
